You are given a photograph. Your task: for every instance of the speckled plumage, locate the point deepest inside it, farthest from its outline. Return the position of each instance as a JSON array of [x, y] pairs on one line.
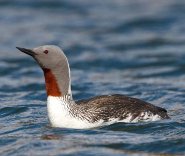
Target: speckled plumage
[[63, 111], [115, 106]]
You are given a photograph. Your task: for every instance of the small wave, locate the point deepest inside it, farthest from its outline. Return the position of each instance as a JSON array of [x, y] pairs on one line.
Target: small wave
[[6, 111]]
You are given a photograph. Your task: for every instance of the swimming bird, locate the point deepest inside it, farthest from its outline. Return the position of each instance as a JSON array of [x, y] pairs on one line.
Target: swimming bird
[[98, 111]]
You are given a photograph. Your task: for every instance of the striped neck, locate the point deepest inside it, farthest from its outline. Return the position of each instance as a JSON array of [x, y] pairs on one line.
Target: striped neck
[[58, 82]]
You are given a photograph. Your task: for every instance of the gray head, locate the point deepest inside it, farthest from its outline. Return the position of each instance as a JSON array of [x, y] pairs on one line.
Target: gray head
[[55, 66], [47, 56]]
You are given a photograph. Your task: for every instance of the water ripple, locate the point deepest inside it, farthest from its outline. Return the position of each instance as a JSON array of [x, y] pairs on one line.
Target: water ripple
[[134, 48]]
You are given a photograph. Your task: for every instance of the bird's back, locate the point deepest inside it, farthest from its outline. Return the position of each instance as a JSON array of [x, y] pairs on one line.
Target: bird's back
[[121, 107]]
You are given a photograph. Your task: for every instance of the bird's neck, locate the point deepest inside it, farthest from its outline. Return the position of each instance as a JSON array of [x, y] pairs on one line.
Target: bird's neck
[[58, 82]]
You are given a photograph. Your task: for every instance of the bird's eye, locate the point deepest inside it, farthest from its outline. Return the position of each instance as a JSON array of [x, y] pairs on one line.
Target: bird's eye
[[45, 51]]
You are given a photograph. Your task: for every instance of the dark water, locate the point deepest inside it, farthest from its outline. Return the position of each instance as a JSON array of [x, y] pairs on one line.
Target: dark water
[[135, 48]]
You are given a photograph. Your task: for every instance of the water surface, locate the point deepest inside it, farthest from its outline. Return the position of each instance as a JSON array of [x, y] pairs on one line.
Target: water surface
[[136, 48]]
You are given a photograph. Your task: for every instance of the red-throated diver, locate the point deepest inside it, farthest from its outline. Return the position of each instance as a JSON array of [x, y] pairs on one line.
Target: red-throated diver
[[63, 111]]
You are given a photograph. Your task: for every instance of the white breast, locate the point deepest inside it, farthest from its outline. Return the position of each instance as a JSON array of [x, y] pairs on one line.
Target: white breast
[[59, 115]]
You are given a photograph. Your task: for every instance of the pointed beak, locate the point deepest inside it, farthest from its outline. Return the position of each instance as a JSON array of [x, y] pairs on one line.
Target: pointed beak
[[27, 51]]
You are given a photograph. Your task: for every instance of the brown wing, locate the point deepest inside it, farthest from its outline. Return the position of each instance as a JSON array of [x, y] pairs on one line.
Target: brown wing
[[119, 106]]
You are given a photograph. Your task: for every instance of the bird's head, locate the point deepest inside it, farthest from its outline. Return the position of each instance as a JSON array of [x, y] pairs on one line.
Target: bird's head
[[47, 56]]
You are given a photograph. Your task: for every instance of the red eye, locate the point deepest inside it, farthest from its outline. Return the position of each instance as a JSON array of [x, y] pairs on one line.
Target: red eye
[[45, 51]]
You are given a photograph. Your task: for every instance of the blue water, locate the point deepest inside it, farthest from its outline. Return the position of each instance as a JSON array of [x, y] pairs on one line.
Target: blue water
[[136, 48]]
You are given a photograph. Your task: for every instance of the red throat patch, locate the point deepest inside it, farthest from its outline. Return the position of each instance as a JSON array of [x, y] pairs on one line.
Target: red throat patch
[[52, 88]]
